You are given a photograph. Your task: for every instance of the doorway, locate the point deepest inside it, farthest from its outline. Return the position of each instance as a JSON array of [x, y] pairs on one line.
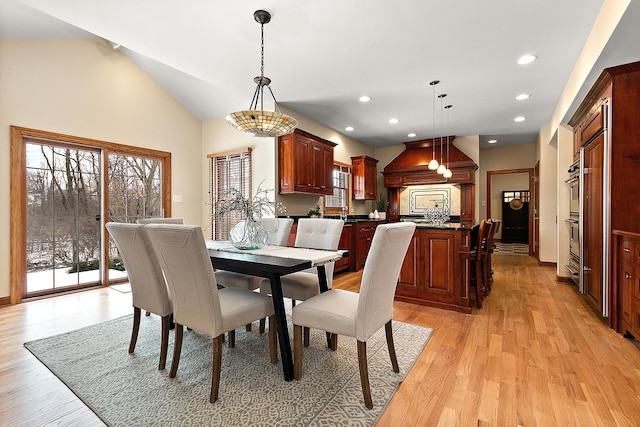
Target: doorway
[[63, 190]]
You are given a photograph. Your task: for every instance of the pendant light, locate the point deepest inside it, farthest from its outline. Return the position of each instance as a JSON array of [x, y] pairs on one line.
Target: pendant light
[[447, 173], [254, 121], [433, 164], [442, 167]]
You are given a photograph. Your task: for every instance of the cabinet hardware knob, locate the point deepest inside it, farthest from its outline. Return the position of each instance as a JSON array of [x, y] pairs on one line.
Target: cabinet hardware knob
[[627, 276], [627, 250]]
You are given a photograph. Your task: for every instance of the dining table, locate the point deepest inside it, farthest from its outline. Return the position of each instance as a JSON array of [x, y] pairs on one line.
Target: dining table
[[273, 262]]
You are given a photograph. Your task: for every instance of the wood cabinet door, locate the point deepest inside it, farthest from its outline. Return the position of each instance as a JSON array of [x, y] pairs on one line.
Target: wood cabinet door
[[412, 271], [439, 265], [302, 153], [627, 284], [593, 221], [370, 181]]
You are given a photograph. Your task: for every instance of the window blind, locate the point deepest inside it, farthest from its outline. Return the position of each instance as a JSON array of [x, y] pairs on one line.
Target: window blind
[[227, 171]]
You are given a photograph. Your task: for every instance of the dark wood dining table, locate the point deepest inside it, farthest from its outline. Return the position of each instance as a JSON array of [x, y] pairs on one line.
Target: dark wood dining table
[[272, 268]]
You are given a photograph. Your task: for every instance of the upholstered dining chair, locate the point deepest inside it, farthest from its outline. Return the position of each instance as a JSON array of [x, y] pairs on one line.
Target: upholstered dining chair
[[160, 220], [315, 234], [197, 302], [359, 315], [148, 287]]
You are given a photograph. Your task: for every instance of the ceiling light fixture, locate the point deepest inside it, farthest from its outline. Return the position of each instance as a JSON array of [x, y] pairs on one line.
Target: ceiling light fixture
[[520, 119], [448, 173], [412, 135], [523, 96], [349, 128], [492, 141], [364, 98], [393, 121], [254, 121], [526, 59], [433, 164], [442, 167]]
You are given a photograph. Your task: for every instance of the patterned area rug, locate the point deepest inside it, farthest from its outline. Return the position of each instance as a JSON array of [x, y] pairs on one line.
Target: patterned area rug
[[511, 248], [127, 389]]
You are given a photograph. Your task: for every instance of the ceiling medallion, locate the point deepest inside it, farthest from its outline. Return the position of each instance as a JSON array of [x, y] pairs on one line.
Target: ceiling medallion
[[254, 121]]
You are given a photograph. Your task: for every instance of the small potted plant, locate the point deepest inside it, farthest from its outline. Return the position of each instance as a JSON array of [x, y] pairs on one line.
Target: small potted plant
[[314, 212], [381, 207]]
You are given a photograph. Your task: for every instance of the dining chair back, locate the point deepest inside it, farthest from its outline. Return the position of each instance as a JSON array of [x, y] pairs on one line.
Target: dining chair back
[[148, 288], [278, 230], [160, 220], [197, 302], [322, 233], [360, 315]]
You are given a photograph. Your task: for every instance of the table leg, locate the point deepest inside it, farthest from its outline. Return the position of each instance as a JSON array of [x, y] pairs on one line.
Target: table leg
[[281, 324], [324, 287]]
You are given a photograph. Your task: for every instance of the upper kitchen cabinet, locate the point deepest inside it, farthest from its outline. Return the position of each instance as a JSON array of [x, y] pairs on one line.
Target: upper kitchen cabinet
[[364, 177], [305, 164]]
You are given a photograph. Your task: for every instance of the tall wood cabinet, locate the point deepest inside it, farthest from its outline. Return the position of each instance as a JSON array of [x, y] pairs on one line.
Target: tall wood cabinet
[[606, 125], [364, 178], [305, 164]]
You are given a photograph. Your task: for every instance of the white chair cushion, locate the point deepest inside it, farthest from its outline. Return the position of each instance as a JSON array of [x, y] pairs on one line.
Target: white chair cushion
[[231, 279], [334, 311], [299, 286], [240, 307]]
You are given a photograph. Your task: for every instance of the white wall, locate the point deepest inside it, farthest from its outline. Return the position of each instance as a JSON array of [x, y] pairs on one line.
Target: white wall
[[85, 88], [548, 196]]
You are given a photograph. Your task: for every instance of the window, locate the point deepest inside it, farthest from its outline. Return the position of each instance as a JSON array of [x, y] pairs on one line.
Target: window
[[335, 203], [227, 170]]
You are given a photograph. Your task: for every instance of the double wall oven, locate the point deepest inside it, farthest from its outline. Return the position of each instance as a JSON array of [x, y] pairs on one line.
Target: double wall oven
[[574, 266]]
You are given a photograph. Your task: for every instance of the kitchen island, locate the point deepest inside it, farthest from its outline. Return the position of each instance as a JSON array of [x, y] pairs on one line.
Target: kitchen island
[[436, 269]]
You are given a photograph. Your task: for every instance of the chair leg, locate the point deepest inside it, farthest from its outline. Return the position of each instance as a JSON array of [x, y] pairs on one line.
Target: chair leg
[[136, 328], [392, 348], [306, 336], [297, 352], [273, 340], [164, 341], [248, 327], [216, 367], [293, 303], [148, 313], [177, 348], [334, 342], [479, 284], [364, 374], [262, 325], [232, 339]]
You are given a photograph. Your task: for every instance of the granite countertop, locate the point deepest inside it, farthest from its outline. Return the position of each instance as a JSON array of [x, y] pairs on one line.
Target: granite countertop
[[446, 226]]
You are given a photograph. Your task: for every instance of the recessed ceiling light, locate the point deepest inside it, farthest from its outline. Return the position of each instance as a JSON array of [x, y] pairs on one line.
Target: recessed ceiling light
[[412, 135], [349, 128], [364, 98], [492, 141], [526, 59], [523, 96], [520, 119], [393, 121]]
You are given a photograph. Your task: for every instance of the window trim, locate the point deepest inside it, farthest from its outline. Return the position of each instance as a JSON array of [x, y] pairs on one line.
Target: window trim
[[331, 210]]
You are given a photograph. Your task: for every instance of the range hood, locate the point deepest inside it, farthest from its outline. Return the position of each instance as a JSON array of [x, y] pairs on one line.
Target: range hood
[[411, 166]]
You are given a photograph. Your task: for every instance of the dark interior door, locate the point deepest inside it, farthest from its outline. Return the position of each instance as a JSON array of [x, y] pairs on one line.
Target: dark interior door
[[515, 216]]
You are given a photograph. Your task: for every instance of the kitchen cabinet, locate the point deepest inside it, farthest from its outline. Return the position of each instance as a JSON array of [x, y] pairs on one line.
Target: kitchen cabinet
[[361, 242], [435, 270], [607, 132], [305, 164], [627, 274], [364, 178]]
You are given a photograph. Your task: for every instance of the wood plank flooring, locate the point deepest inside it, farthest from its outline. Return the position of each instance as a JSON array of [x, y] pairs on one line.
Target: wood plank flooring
[[535, 355]]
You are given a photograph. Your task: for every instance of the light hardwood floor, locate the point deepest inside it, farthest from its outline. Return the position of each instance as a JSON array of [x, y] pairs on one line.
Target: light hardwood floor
[[536, 355]]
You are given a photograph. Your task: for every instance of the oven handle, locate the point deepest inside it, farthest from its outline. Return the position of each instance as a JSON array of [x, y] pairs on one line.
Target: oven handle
[[572, 180], [571, 220]]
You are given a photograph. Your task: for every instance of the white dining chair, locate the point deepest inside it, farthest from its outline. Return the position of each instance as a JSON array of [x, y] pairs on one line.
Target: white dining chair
[[359, 315], [148, 287], [197, 302], [315, 234]]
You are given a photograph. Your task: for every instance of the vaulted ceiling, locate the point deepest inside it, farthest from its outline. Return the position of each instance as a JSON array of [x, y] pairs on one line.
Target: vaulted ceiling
[[322, 56]]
